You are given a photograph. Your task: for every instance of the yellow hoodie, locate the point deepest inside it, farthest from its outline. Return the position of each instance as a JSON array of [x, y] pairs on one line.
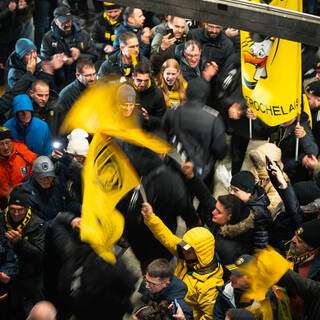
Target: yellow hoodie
[[204, 276]]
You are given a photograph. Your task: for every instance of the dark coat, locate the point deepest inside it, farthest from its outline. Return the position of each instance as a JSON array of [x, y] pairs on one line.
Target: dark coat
[[17, 70], [102, 33], [153, 101], [30, 249], [54, 42], [8, 259], [218, 49], [200, 130], [176, 289]]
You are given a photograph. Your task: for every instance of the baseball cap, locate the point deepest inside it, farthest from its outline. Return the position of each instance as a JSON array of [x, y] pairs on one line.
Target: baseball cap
[[240, 262], [62, 14], [43, 167]]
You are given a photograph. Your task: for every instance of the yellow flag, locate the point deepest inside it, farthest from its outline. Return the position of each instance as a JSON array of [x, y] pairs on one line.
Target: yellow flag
[[107, 177], [97, 110], [271, 73], [263, 272]]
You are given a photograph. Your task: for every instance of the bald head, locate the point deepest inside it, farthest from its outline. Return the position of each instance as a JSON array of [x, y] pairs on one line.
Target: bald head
[[43, 310]]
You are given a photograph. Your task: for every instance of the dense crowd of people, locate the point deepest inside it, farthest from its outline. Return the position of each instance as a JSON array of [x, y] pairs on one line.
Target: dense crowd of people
[[182, 80]]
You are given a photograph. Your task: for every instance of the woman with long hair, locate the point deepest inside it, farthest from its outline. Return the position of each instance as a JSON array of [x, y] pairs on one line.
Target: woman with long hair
[[172, 84]]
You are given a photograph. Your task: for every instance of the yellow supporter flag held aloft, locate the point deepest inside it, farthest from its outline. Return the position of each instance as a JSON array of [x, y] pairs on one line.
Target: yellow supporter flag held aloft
[[271, 73], [107, 177]]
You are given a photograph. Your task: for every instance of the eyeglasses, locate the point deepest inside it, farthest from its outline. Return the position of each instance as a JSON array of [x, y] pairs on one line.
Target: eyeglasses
[[142, 80], [19, 210], [152, 284], [89, 75], [197, 55]]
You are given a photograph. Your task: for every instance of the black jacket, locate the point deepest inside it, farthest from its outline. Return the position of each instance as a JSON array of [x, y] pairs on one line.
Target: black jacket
[[30, 249], [102, 33], [201, 132], [115, 66], [17, 71], [176, 289], [54, 42], [68, 96], [153, 101], [218, 49]]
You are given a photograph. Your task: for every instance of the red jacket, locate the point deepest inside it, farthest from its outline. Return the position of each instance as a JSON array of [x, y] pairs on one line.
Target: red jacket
[[14, 169]]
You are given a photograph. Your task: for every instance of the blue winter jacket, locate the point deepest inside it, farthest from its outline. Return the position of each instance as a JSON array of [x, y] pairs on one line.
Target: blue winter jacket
[[36, 135]]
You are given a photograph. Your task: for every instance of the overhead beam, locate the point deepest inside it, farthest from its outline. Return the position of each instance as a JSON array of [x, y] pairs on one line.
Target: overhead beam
[[240, 14]]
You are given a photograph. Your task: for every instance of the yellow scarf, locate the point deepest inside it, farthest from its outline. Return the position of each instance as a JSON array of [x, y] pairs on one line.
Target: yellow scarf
[[23, 223]]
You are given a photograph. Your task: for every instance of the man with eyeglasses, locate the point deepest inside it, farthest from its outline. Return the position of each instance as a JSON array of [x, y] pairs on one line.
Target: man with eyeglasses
[[150, 97], [85, 78], [193, 64], [23, 228], [122, 62], [160, 284], [15, 164]]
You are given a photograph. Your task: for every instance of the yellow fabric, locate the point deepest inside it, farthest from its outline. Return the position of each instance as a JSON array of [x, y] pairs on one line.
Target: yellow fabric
[[263, 272], [107, 177], [306, 108], [97, 111], [202, 290], [262, 310], [271, 74]]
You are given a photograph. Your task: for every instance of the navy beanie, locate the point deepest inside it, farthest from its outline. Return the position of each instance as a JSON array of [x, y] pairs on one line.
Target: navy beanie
[[24, 46], [309, 232], [244, 180]]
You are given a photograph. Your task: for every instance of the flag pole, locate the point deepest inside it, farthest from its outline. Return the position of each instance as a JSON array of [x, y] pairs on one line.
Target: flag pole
[[297, 139], [250, 128]]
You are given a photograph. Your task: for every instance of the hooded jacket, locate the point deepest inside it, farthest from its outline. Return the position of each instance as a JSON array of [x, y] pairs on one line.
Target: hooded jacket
[[176, 289], [14, 169], [36, 135], [204, 275]]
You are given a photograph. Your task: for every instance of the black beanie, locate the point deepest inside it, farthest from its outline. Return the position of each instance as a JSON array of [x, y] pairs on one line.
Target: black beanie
[[5, 133], [244, 180], [19, 196], [309, 232]]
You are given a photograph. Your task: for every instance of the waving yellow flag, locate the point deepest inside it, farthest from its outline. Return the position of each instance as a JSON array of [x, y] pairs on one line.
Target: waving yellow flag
[[271, 73], [97, 110], [107, 177]]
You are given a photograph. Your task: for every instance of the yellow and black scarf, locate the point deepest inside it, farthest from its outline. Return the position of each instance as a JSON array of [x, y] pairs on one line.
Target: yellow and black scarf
[[21, 225], [302, 257]]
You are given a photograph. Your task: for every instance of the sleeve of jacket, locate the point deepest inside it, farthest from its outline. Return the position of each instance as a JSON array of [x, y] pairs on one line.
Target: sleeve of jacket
[[33, 247], [157, 112], [97, 33], [261, 230], [89, 50], [220, 308], [5, 13], [162, 233], [10, 261], [116, 39], [219, 144], [187, 311], [46, 50], [308, 142], [13, 76], [156, 43], [104, 69], [207, 201], [206, 297]]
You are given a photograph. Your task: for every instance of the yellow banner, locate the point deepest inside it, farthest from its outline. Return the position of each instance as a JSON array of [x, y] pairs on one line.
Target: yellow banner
[[107, 177], [98, 110], [271, 73]]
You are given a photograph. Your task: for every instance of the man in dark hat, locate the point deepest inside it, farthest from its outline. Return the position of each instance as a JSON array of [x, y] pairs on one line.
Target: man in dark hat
[[304, 250], [15, 164], [25, 231], [68, 38]]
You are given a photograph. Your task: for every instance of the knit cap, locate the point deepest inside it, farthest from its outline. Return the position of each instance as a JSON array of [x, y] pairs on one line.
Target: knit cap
[[309, 232], [5, 133], [110, 5], [19, 196], [126, 94], [24, 46], [244, 180]]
